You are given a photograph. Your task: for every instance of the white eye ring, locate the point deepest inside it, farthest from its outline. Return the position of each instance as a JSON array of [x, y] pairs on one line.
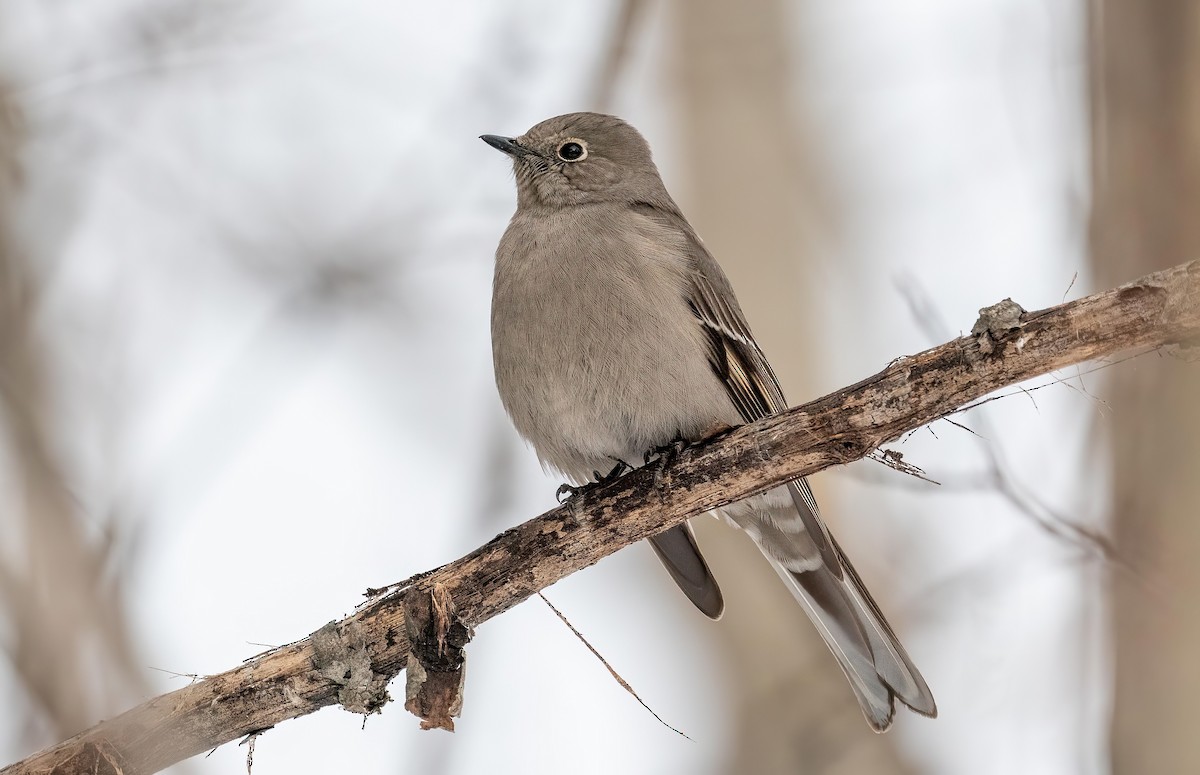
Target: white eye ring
[[567, 149]]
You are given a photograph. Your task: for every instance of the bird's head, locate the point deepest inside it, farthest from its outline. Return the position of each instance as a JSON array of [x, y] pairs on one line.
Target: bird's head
[[581, 158]]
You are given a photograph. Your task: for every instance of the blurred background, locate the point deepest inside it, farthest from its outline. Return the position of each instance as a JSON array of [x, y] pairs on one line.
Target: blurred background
[[245, 264]]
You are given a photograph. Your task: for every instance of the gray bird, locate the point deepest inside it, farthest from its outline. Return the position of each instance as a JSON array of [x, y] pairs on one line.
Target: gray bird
[[614, 332]]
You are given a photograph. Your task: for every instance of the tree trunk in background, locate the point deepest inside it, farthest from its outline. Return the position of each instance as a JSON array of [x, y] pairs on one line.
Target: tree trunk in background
[[744, 159], [60, 598], [1146, 166]]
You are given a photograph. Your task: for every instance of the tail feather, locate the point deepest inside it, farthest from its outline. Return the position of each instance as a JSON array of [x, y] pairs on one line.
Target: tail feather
[[789, 531], [891, 660], [875, 664], [787, 527], [679, 553], [839, 628]]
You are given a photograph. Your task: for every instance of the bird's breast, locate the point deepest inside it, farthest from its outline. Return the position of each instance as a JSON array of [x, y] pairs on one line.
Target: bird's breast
[[597, 354]]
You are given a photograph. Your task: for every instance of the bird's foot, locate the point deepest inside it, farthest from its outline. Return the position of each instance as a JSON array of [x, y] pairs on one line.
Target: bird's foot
[[662, 457], [667, 453], [566, 492], [619, 470], [574, 494]]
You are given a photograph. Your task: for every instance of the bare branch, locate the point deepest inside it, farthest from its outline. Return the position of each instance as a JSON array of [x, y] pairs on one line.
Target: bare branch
[[1159, 309]]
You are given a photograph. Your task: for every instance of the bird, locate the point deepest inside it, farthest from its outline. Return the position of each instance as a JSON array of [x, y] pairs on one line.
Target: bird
[[615, 331]]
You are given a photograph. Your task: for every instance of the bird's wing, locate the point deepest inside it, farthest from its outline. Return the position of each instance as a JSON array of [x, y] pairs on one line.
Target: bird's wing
[[748, 377], [832, 594]]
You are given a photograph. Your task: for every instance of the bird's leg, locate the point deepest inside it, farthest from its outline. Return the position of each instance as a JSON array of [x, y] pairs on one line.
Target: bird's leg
[[619, 470], [667, 453]]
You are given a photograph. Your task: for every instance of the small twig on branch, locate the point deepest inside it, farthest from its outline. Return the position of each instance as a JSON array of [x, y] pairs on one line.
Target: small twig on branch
[[998, 476], [373, 644], [611, 670]]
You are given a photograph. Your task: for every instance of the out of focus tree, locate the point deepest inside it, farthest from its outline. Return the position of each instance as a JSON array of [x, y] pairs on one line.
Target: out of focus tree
[[1146, 167], [67, 645], [753, 198]]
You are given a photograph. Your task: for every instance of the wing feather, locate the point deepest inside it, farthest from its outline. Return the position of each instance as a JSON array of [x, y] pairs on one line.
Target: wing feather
[[749, 379], [844, 612]]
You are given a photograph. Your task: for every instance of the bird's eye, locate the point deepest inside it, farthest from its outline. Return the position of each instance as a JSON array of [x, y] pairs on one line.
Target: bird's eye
[[572, 150]]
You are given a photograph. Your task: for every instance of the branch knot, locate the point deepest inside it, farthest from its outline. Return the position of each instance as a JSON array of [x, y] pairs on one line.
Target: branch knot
[[340, 655], [995, 323]]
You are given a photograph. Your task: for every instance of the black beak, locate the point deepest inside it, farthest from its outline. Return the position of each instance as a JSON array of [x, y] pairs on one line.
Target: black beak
[[506, 145]]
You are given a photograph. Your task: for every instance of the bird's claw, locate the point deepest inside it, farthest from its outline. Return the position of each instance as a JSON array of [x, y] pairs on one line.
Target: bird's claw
[[568, 491], [573, 493], [667, 452], [565, 492], [572, 496]]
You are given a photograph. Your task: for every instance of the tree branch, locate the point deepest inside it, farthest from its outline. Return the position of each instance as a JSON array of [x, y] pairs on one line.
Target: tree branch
[[351, 661]]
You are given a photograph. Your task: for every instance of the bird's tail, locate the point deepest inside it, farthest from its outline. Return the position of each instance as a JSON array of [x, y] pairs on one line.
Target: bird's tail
[[845, 614], [679, 553]]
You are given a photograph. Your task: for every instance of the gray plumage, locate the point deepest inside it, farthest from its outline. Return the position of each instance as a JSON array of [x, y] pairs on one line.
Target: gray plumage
[[614, 331]]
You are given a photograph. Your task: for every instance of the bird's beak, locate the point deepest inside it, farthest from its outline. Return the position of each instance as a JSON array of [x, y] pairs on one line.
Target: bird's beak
[[506, 145]]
